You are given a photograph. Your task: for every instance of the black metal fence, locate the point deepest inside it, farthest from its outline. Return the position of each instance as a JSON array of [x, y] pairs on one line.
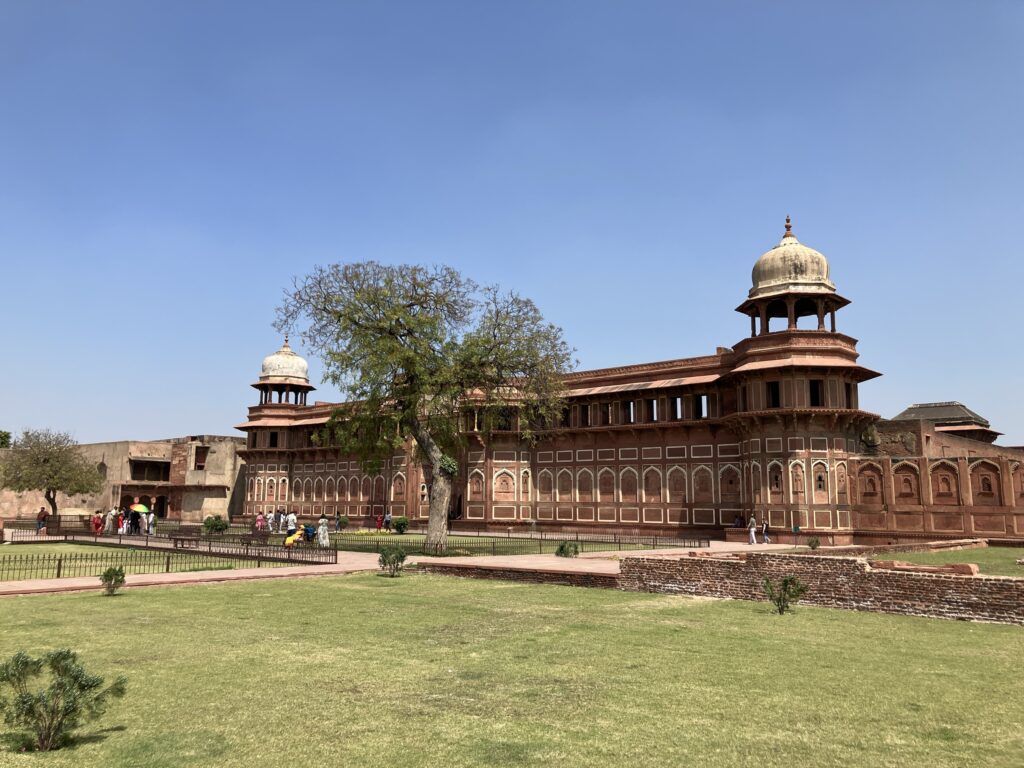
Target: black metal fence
[[63, 566]]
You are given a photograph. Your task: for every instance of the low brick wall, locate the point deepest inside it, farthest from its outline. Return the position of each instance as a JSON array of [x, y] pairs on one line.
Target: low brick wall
[[565, 578], [833, 582]]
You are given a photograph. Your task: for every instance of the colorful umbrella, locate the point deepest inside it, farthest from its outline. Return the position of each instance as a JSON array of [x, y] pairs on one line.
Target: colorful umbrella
[[139, 508]]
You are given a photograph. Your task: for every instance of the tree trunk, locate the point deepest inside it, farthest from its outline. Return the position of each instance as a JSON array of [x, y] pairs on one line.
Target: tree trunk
[[51, 499], [437, 524], [440, 493]]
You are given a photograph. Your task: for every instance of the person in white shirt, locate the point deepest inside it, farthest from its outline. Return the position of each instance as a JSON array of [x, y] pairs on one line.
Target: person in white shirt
[[752, 529], [293, 523]]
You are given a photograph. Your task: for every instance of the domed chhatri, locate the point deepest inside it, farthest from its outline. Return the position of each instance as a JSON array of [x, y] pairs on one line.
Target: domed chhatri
[[790, 267], [285, 365], [284, 378]]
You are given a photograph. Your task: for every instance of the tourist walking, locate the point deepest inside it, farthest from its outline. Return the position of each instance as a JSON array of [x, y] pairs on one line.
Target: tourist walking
[[41, 519], [111, 523], [380, 521], [261, 523], [280, 520], [97, 523], [151, 523], [387, 521], [337, 522], [752, 528], [764, 531], [293, 523], [323, 535]]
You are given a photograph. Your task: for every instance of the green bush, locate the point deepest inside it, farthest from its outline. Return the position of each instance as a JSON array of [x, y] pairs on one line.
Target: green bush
[[400, 524], [391, 560], [112, 579], [215, 524], [342, 522], [51, 713], [568, 549], [787, 592], [813, 542]]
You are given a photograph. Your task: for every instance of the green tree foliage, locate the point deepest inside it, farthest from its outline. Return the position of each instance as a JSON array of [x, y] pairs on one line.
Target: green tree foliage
[[5, 439], [51, 462], [51, 713], [414, 348]]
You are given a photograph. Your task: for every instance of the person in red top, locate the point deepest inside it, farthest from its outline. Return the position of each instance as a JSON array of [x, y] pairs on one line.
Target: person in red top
[[380, 521], [97, 523]]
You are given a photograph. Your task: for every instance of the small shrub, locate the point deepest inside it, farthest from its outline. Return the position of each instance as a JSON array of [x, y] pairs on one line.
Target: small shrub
[[787, 593], [215, 524], [813, 542], [112, 579], [342, 523], [51, 713], [391, 560], [568, 549], [400, 524]]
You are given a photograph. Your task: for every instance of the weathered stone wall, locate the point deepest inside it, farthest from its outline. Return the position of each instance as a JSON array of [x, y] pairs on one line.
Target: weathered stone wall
[[539, 576], [833, 582]]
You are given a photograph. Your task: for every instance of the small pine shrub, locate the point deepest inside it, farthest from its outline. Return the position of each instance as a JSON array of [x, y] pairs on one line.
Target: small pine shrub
[[342, 522], [50, 714], [391, 560], [568, 549], [112, 579], [787, 593], [215, 524], [400, 524], [813, 542]]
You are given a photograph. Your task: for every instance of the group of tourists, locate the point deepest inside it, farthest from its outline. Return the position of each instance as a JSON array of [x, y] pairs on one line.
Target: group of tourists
[[752, 526], [288, 524], [124, 522], [384, 521]]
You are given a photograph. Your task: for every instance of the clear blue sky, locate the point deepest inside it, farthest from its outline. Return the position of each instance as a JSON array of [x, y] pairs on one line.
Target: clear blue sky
[[167, 167]]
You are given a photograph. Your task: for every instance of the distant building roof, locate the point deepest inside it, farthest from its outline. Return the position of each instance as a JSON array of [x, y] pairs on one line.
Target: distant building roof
[[947, 414]]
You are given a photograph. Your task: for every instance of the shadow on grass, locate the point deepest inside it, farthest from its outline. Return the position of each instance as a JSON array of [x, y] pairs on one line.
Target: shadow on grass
[[15, 741]]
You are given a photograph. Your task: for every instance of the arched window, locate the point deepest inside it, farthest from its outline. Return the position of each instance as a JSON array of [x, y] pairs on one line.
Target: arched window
[[545, 485], [564, 486], [606, 486], [627, 486], [282, 491], [526, 490], [585, 485], [676, 485], [476, 486]]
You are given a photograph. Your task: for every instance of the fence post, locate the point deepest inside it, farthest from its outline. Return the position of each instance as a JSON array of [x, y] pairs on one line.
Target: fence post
[[60, 564], [492, 546], [168, 570]]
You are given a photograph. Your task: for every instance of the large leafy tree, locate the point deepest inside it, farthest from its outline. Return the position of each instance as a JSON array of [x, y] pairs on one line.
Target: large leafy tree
[[413, 348], [51, 462]]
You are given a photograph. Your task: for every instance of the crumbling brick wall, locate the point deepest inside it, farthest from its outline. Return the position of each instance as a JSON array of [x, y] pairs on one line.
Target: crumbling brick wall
[[833, 582]]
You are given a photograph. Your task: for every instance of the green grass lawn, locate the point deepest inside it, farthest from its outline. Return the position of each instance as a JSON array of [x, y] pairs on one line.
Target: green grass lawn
[[19, 561], [435, 671], [993, 561]]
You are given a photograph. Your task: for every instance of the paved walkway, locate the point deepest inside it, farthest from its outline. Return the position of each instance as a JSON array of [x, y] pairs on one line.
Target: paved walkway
[[591, 562], [348, 562]]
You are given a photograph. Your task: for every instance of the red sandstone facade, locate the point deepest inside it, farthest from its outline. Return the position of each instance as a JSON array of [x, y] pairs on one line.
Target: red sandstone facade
[[770, 427]]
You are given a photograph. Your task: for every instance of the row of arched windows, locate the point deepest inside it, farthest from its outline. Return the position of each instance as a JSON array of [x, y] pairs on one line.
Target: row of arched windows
[[324, 489]]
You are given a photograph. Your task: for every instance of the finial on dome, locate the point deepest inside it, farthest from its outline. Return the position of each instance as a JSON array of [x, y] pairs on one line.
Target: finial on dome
[[286, 335], [789, 228]]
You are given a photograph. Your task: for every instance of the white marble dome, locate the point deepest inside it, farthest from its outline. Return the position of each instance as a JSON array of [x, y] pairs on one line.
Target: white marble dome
[[285, 364], [790, 267]]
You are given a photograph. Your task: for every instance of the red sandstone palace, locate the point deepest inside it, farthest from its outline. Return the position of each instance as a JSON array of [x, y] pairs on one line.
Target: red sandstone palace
[[771, 426]]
